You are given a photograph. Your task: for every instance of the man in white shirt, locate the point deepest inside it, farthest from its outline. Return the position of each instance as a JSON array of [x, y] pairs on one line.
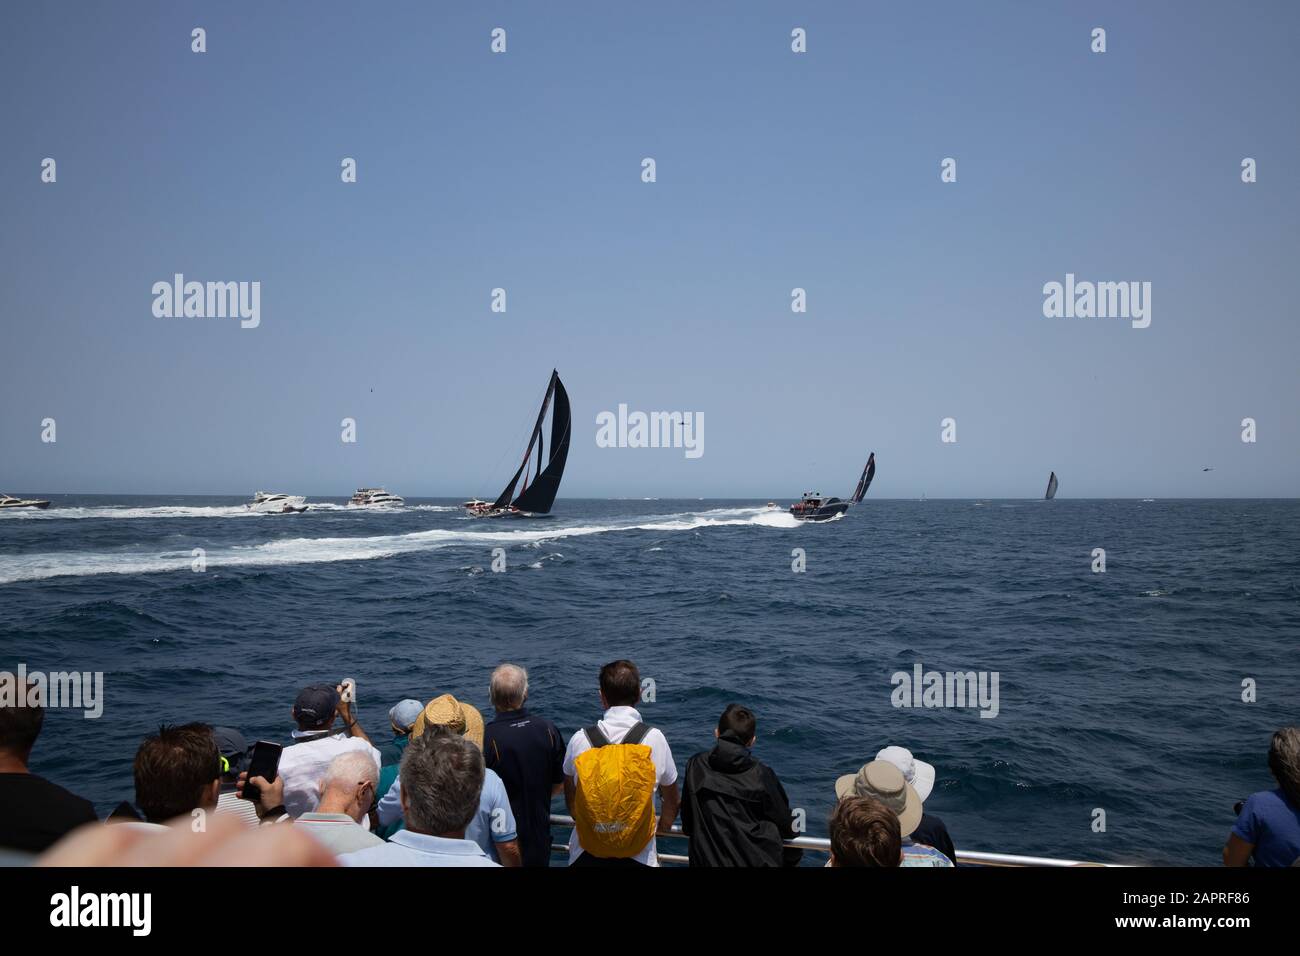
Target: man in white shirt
[[304, 763], [620, 692], [347, 794]]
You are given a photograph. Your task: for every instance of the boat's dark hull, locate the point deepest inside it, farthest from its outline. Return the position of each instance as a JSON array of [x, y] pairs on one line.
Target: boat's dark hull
[[824, 513], [508, 512], [814, 506]]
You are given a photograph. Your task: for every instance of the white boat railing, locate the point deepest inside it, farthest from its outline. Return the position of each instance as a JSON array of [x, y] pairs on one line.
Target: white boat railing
[[823, 845]]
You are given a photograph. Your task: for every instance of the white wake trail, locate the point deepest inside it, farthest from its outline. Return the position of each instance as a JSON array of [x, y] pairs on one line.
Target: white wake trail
[[33, 567]]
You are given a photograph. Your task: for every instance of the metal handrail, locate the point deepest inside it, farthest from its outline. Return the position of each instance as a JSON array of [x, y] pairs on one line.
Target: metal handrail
[[823, 845]]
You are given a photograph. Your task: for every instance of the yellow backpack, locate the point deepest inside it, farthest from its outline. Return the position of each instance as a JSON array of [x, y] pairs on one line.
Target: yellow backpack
[[614, 801]]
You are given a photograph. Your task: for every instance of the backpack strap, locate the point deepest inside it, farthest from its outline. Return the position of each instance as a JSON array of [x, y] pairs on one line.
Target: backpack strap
[[636, 734], [595, 737]]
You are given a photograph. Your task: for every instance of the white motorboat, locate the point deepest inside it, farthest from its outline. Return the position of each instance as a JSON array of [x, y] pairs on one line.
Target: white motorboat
[[374, 497], [9, 501], [273, 503]]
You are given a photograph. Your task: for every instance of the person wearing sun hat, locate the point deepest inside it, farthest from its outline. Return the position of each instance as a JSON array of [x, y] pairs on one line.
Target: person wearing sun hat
[[456, 716], [493, 827], [883, 781], [931, 831]]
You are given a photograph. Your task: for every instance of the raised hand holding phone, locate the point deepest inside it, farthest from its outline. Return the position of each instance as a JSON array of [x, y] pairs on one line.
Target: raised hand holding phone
[[264, 764]]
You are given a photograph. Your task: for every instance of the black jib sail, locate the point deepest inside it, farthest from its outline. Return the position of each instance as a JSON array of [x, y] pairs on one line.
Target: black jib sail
[[538, 497], [868, 472], [1051, 487]]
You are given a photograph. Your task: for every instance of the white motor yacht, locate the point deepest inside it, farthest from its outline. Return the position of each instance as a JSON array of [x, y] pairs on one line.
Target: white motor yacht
[[9, 501], [273, 503], [374, 497]]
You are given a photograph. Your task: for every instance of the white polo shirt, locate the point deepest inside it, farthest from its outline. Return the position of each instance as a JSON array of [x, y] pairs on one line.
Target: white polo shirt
[[303, 765], [615, 725]]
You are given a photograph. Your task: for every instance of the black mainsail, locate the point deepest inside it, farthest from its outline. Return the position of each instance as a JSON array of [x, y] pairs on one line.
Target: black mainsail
[[868, 472], [538, 497], [1051, 487]]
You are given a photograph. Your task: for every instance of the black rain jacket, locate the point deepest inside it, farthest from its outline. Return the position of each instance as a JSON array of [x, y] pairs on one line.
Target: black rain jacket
[[735, 809]]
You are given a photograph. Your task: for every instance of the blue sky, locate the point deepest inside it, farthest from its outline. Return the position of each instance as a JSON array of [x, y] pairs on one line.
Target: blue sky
[[775, 171]]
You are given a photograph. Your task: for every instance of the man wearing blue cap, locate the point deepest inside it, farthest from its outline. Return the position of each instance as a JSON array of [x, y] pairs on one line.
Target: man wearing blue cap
[[402, 717]]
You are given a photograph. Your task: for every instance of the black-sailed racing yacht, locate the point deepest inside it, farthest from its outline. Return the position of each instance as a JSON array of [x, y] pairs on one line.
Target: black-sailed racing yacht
[[539, 496]]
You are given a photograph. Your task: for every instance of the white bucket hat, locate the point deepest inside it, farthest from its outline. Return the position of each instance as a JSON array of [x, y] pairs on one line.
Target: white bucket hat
[[916, 772]]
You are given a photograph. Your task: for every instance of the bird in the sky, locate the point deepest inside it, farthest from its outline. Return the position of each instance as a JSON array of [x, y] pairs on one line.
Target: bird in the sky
[[1207, 469]]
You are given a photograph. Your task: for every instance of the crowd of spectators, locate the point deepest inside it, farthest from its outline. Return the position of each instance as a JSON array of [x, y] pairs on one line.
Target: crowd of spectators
[[451, 789]]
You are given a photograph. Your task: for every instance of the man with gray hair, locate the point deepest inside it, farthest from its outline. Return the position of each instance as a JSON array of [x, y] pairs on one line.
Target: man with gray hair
[[527, 753], [347, 793], [442, 774]]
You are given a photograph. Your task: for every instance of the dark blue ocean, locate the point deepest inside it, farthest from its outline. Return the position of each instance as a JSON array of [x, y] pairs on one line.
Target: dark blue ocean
[[1119, 691]]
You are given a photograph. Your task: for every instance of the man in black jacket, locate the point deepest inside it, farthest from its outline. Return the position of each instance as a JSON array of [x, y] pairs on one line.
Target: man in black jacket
[[733, 807]]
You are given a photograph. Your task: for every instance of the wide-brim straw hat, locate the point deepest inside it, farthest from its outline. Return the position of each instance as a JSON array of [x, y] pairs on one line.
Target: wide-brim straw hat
[[885, 782], [456, 716]]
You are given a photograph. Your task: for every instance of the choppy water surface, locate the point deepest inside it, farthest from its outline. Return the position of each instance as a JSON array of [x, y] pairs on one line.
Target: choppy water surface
[[1119, 690]]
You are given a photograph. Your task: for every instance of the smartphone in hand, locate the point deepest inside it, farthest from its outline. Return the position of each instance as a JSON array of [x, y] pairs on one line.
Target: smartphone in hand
[[265, 762]]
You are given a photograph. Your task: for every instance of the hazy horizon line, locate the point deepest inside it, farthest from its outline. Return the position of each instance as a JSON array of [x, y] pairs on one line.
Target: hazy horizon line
[[459, 498]]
